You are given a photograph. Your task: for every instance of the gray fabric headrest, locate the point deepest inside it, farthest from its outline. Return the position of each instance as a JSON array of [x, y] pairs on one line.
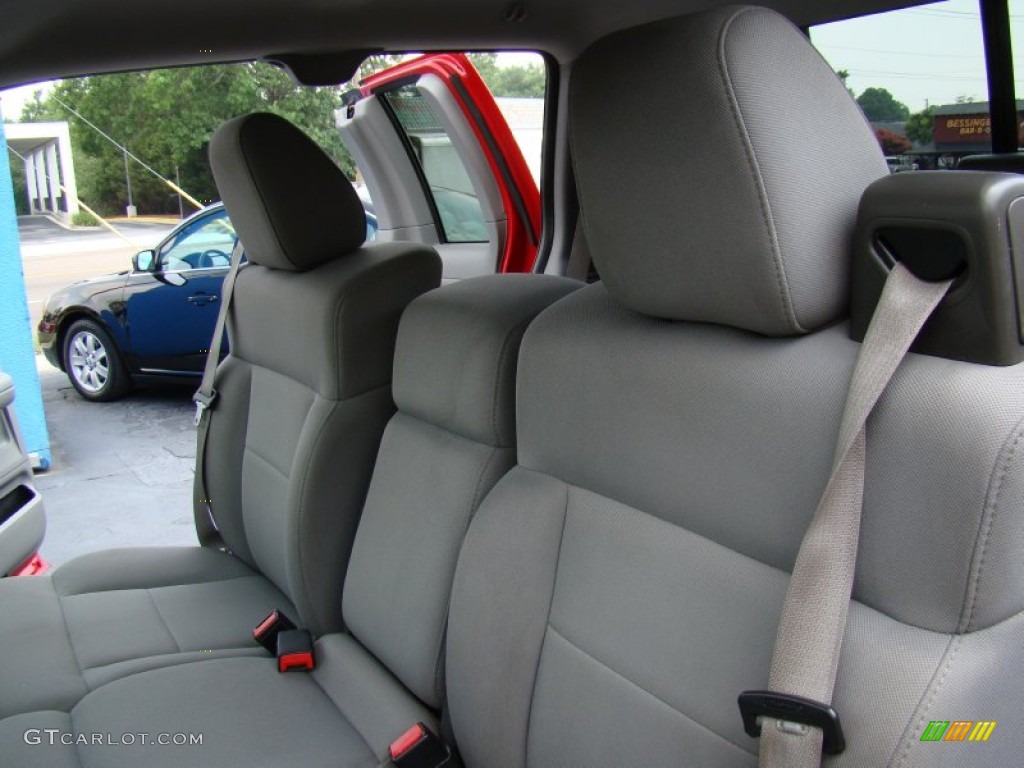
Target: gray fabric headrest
[[455, 359], [724, 190], [291, 205]]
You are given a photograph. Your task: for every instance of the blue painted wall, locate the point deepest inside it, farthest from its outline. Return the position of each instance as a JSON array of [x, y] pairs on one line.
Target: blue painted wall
[[17, 354]]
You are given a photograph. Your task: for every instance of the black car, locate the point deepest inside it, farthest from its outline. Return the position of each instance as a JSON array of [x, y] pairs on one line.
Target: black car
[[154, 320]]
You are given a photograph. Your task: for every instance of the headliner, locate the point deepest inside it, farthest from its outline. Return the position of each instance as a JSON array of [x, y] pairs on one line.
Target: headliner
[[45, 39]]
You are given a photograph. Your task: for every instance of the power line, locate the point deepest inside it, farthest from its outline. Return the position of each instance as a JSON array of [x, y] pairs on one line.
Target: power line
[[127, 152], [951, 77], [979, 57], [99, 219], [946, 13]]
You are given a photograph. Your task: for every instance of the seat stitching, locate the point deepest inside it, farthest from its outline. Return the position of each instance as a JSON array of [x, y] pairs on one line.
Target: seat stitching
[[182, 658], [301, 510], [249, 449], [71, 642], [380, 272], [163, 621], [163, 586], [639, 687], [551, 601], [474, 503], [337, 706], [762, 194], [71, 722], [931, 692], [503, 362], [1007, 453]]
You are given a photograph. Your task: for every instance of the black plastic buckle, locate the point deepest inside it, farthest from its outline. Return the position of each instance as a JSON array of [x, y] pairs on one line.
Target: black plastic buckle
[[793, 709], [295, 650], [266, 631], [418, 747]]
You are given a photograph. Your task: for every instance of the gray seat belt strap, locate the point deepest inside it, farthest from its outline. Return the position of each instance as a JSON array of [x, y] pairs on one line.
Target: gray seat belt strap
[[205, 398], [813, 622]]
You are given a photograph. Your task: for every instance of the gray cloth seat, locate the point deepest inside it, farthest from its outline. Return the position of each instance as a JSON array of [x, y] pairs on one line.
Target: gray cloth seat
[[304, 397], [623, 584], [451, 440]]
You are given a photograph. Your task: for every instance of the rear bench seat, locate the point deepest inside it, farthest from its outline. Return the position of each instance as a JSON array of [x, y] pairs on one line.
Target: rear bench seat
[[304, 398], [452, 438], [623, 583]]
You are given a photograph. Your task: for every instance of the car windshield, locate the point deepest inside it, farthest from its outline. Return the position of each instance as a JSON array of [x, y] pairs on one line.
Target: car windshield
[[204, 243]]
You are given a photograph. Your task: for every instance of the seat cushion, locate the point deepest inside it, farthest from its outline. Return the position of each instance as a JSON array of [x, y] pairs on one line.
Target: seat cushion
[[620, 587], [110, 614], [345, 713]]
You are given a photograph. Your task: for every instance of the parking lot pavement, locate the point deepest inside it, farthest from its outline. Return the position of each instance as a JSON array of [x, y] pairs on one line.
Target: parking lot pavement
[[122, 471], [52, 257]]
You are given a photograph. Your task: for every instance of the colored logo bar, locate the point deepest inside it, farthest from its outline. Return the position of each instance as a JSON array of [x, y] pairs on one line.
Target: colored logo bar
[[958, 730]]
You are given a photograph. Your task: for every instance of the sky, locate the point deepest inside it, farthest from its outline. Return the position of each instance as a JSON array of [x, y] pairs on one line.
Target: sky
[[931, 54], [13, 99]]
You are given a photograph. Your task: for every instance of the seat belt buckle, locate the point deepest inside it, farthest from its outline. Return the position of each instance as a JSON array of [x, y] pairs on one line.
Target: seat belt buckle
[[755, 705], [295, 650], [266, 632], [418, 747], [203, 401]]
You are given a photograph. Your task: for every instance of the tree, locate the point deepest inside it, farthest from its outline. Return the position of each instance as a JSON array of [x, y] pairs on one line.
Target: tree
[[522, 80], [166, 117], [20, 187], [844, 75], [518, 80], [920, 124], [892, 143], [880, 106], [373, 64]]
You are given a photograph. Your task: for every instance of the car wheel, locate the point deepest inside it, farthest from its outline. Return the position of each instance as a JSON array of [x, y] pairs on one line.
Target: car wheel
[[93, 363]]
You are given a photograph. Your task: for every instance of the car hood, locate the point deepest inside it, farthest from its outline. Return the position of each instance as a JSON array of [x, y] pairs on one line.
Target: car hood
[[81, 290]]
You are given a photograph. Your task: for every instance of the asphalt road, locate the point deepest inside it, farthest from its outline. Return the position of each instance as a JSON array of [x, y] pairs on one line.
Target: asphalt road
[[52, 257], [122, 471]]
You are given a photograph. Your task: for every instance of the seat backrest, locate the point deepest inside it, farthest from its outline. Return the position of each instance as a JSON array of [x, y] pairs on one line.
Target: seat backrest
[[305, 393], [451, 440], [623, 583]]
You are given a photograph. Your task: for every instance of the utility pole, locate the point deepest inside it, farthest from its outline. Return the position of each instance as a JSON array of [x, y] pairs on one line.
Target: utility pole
[[177, 180], [128, 182], [124, 149]]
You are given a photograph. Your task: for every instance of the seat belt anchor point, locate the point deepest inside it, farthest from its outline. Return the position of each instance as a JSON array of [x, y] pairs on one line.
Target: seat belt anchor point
[[203, 401], [755, 705]]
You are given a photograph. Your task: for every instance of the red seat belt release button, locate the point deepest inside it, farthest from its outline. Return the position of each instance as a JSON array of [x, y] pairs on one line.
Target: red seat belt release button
[[418, 747], [295, 650], [266, 631], [400, 746]]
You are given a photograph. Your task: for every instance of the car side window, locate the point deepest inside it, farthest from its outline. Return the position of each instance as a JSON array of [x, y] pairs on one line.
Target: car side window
[[458, 208], [918, 74], [205, 243]]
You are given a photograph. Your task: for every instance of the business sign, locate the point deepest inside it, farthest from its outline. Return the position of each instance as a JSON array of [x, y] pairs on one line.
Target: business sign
[[962, 129], [967, 129]]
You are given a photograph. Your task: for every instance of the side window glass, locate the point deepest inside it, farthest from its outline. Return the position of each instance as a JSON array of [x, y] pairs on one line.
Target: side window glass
[[461, 217], [203, 244], [919, 76]]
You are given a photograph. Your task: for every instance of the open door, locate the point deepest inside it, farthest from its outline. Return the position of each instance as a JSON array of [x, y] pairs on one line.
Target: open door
[[442, 166], [22, 520]]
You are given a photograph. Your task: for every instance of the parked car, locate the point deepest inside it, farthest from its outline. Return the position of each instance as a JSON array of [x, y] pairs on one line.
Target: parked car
[[722, 508], [154, 320]]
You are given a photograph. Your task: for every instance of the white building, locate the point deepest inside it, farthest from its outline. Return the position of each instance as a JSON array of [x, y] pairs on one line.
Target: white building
[[49, 166]]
